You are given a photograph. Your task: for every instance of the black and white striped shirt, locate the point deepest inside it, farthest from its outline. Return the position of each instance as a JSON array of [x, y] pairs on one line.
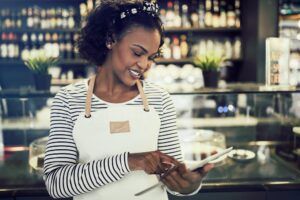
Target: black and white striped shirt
[[63, 175]]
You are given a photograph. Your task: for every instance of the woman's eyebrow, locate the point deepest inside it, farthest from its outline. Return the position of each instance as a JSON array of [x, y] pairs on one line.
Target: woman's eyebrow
[[141, 47], [145, 50]]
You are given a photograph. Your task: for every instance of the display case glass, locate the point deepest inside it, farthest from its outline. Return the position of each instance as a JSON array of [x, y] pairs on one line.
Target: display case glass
[[261, 126]]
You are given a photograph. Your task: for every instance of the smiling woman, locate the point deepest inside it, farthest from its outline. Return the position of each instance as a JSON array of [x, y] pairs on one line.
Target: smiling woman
[[114, 134]]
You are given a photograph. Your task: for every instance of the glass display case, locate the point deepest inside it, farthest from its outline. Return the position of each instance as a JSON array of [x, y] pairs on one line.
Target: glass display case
[[261, 126]]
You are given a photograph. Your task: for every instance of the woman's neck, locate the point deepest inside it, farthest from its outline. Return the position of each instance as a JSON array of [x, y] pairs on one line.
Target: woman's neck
[[107, 83]]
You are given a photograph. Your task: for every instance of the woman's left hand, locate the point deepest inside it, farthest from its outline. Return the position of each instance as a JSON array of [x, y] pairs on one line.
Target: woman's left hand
[[183, 180]]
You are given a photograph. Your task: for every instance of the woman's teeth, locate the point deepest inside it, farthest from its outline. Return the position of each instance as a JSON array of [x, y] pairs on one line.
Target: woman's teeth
[[134, 73]]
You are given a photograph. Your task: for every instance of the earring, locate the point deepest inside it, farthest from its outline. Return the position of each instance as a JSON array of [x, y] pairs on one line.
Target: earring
[[108, 46]]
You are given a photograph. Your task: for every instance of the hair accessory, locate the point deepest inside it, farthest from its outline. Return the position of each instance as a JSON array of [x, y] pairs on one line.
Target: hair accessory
[[147, 7]]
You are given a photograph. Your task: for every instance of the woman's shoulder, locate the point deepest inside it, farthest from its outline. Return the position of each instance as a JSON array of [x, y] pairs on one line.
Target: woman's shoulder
[[75, 90], [155, 92], [151, 87]]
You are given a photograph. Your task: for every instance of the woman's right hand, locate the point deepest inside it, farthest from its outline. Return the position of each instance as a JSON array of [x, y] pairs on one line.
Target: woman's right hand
[[154, 162]]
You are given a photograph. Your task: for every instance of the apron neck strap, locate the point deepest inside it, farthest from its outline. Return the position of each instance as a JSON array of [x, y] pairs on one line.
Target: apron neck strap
[[143, 96], [89, 95], [88, 101]]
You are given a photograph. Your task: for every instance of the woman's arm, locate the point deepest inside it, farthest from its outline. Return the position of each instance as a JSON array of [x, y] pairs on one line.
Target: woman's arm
[[63, 176]]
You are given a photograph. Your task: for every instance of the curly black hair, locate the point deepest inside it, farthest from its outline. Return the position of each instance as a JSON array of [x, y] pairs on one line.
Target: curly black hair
[[105, 25]]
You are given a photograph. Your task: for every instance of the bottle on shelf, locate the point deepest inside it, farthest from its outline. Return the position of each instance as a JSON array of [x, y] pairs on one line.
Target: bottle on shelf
[[25, 52], [237, 48], [29, 20], [167, 52], [228, 49], [194, 14], [208, 13], [184, 48], [170, 15], [4, 46], [237, 14], [215, 14], [83, 13], [34, 51], [75, 50], [201, 14], [177, 18], [230, 15], [176, 52], [185, 16], [12, 47], [223, 18]]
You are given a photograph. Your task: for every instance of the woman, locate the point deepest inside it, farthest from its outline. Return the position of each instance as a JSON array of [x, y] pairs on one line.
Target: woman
[[113, 135]]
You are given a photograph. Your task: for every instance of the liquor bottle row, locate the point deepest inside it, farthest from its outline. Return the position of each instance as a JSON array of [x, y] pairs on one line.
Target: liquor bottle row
[[37, 17], [23, 46], [206, 13], [178, 48]]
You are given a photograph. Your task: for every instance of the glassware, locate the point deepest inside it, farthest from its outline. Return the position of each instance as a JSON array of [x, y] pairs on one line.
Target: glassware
[[277, 61], [37, 153], [199, 144]]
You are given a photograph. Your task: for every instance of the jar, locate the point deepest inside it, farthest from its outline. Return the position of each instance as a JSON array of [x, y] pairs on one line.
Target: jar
[[37, 150]]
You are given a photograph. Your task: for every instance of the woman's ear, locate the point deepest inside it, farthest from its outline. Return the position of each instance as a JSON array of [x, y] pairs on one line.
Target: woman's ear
[[110, 41]]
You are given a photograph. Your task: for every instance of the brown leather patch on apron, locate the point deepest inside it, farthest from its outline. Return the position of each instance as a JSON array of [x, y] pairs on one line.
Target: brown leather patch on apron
[[119, 127]]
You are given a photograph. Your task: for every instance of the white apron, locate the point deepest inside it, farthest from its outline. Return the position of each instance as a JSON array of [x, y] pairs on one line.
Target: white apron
[[97, 137]]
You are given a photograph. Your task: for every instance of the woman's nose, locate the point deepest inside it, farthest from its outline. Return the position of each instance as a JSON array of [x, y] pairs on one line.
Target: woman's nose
[[143, 63]]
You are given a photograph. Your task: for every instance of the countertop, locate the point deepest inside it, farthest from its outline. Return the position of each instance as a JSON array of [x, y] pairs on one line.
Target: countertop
[[18, 179]]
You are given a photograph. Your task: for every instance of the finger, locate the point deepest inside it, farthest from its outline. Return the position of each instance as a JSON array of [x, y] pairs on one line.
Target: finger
[[182, 169], [181, 181], [192, 177], [167, 158], [151, 164], [205, 169], [171, 183]]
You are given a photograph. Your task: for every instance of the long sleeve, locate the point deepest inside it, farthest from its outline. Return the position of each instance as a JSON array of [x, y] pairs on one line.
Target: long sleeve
[[63, 175], [168, 140]]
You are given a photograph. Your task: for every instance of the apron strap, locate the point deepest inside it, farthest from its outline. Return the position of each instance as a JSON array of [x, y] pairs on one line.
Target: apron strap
[[143, 96], [88, 102]]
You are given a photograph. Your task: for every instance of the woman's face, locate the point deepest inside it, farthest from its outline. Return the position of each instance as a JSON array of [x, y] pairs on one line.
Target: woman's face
[[133, 54]]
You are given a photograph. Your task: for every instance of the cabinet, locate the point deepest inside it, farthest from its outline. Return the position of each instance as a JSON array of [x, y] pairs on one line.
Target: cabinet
[[22, 29], [247, 118]]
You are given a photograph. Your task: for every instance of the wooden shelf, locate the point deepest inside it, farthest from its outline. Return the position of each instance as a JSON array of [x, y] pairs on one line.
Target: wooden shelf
[[167, 30], [293, 16], [201, 30], [38, 30], [75, 62], [185, 61]]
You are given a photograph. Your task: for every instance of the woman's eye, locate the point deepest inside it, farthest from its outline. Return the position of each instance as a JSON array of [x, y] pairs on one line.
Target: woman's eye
[[137, 54], [153, 57]]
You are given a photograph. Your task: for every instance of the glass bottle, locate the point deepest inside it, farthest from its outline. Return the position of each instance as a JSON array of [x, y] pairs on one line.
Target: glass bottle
[[223, 18], [177, 18], [201, 14], [237, 14], [230, 16], [167, 52], [4, 46], [216, 14], [185, 16], [184, 48], [176, 48], [208, 14], [170, 15]]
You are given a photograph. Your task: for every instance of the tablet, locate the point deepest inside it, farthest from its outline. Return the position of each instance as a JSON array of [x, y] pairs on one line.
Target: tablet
[[194, 165]]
